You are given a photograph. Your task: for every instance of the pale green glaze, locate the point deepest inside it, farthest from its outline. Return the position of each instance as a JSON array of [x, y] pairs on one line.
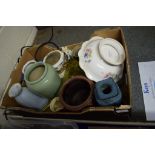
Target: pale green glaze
[[47, 85]]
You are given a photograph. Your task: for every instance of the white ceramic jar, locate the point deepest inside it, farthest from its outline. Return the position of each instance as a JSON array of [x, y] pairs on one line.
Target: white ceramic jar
[[55, 58]]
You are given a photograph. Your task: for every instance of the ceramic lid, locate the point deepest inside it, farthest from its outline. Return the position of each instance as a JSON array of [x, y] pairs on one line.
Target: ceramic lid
[[111, 51], [15, 90]]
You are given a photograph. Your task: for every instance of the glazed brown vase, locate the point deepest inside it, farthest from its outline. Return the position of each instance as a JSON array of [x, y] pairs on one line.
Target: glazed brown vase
[[76, 93]]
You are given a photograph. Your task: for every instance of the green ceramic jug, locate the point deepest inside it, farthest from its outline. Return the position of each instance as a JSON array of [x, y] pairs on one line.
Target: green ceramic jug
[[42, 79]]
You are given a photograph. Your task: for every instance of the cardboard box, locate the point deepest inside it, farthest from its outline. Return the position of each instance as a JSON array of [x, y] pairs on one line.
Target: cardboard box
[[15, 76]]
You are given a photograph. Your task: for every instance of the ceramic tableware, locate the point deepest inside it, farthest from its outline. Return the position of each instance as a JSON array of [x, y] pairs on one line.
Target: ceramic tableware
[[107, 93], [26, 98], [55, 58], [42, 79], [56, 105], [92, 60], [76, 93], [111, 51], [27, 64]]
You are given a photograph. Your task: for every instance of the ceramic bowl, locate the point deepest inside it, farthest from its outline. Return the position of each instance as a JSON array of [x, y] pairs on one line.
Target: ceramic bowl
[[92, 60], [55, 58]]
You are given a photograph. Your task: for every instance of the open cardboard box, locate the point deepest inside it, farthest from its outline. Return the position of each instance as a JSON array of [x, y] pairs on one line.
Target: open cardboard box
[[124, 84]]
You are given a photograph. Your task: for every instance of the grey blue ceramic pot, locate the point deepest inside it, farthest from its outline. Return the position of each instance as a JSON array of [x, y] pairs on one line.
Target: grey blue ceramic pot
[[107, 93]]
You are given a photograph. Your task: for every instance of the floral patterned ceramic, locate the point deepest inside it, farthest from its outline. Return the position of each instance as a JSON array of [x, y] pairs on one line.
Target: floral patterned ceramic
[[93, 64]]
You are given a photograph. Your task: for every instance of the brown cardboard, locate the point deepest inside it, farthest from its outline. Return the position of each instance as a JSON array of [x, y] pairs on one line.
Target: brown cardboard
[[15, 76]]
